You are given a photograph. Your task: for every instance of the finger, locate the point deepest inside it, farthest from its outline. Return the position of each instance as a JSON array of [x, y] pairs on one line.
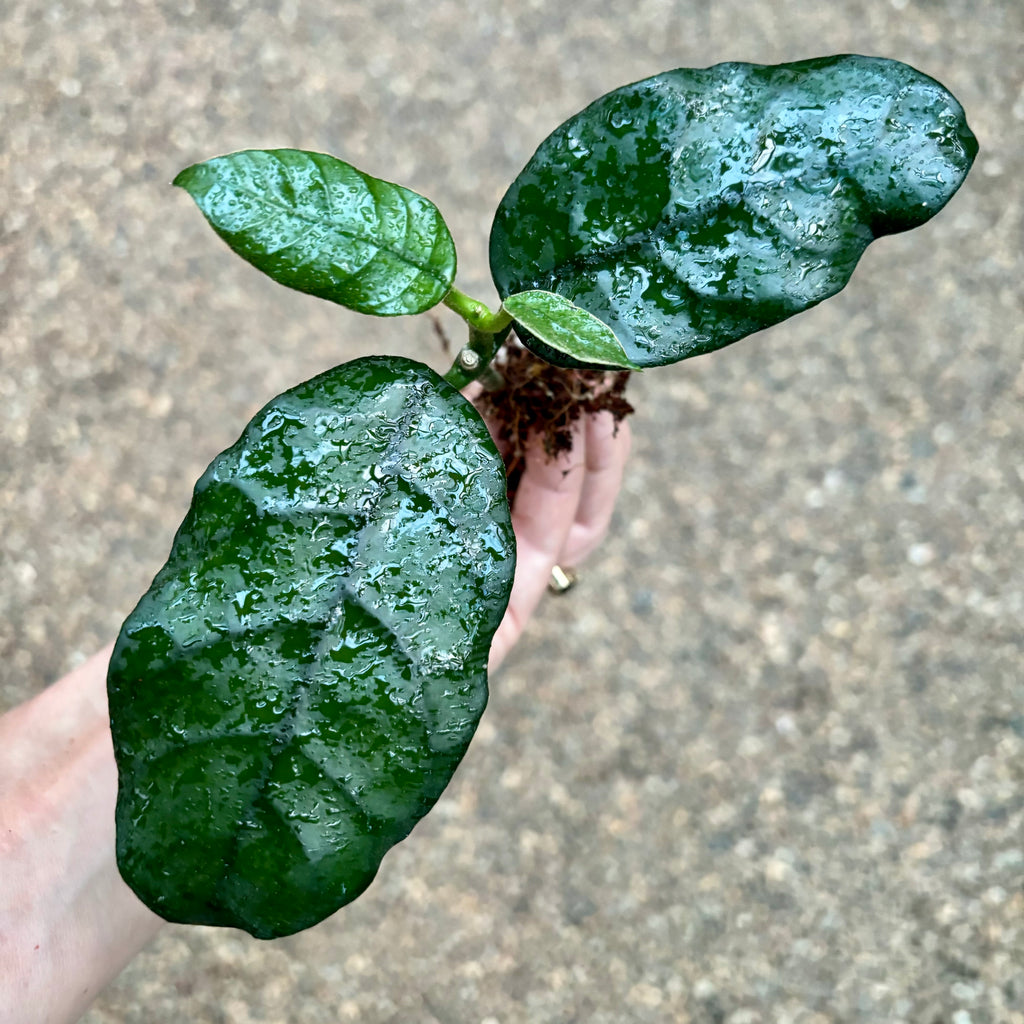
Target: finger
[[607, 449], [543, 514]]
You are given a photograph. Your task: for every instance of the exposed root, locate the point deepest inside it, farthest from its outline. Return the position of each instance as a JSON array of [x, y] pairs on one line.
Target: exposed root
[[539, 401]]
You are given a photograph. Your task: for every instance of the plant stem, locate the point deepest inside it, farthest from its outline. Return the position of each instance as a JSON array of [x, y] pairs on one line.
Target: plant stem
[[476, 313], [474, 359], [487, 331]]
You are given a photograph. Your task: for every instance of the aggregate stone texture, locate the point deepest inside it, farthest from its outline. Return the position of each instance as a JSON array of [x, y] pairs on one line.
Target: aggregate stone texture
[[765, 764]]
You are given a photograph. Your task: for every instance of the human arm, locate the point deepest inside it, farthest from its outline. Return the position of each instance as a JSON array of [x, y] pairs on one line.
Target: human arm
[[68, 923]]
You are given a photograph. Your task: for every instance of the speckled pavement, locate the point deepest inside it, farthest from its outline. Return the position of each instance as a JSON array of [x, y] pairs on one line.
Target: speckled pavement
[[765, 765]]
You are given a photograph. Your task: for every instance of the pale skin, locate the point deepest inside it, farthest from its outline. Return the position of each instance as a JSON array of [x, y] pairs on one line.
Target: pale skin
[[68, 923]]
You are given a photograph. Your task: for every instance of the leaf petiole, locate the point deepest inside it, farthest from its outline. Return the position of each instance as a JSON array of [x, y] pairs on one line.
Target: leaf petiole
[[487, 330], [476, 313]]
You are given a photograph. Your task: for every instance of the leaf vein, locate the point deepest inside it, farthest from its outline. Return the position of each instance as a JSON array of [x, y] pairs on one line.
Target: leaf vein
[[348, 794], [402, 257]]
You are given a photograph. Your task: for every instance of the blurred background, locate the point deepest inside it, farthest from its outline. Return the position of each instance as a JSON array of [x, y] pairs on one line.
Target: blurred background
[[765, 764]]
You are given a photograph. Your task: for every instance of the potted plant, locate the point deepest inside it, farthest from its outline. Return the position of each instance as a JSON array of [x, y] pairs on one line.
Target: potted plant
[[296, 687]]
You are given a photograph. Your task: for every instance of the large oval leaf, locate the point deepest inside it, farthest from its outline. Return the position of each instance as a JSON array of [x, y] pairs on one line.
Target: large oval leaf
[[304, 674], [315, 223], [698, 206]]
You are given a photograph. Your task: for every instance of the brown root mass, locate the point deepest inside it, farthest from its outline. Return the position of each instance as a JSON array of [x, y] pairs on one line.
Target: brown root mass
[[538, 401]]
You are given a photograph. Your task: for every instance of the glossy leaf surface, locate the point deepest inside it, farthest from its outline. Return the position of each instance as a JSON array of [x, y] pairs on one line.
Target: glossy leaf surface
[[315, 223], [300, 681], [570, 331], [698, 206]]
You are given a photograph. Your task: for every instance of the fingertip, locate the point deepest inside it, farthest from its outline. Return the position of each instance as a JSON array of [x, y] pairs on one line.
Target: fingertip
[[607, 442]]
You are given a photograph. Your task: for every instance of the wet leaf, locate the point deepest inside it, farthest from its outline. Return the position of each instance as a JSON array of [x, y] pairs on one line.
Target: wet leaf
[[300, 681], [570, 331], [698, 206], [315, 223]]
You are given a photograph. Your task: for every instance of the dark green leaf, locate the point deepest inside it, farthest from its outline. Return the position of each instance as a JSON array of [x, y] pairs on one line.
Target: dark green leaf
[[300, 681], [316, 224], [569, 330], [698, 206]]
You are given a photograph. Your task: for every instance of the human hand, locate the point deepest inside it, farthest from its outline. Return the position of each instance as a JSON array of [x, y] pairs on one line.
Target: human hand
[[560, 515]]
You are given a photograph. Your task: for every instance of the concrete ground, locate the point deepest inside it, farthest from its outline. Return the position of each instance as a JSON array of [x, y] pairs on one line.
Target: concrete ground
[[766, 763]]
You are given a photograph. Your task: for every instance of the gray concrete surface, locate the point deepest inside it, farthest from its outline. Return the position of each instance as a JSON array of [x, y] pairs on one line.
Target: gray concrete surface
[[766, 764]]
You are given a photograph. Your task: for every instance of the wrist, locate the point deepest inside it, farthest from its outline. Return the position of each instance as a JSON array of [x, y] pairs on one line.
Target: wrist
[[68, 923]]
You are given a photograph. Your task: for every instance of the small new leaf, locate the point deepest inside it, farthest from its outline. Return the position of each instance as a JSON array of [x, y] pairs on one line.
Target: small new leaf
[[557, 323], [316, 224]]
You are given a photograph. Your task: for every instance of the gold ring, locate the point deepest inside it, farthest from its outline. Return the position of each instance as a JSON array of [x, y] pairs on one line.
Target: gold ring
[[562, 580]]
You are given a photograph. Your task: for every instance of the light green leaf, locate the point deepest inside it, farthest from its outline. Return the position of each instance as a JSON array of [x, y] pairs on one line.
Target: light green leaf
[[558, 324], [316, 224]]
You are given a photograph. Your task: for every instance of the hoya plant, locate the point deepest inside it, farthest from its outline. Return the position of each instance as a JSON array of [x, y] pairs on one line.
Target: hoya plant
[[296, 687]]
